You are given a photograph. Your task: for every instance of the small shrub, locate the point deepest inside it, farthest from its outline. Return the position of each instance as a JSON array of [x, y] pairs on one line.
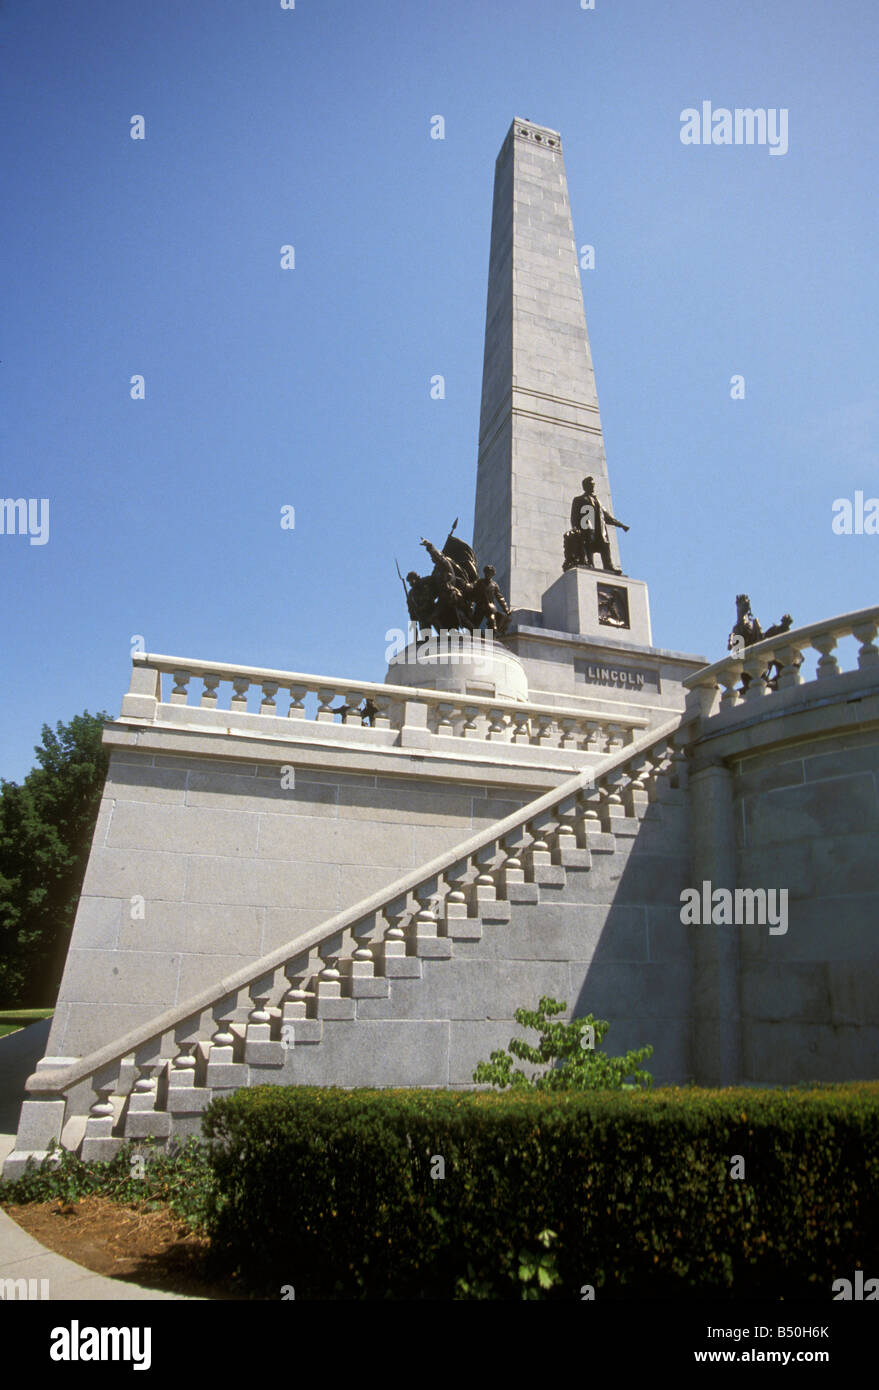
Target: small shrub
[[139, 1172], [571, 1063]]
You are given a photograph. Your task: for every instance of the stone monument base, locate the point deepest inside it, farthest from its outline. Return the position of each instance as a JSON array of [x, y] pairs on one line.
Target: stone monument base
[[462, 664], [599, 604]]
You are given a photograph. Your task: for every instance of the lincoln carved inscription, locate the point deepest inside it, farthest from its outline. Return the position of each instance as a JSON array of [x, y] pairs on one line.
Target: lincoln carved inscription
[[611, 673]]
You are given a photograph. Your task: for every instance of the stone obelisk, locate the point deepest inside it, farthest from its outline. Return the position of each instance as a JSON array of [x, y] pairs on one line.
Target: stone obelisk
[[540, 430]]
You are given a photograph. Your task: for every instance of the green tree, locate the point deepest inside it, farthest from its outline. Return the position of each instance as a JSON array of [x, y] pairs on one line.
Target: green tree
[[46, 827], [569, 1053]]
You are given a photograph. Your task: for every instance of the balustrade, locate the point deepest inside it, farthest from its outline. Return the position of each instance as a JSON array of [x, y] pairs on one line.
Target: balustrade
[[747, 679], [362, 706]]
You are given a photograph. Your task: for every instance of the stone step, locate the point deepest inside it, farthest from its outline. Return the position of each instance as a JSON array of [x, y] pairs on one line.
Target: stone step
[[498, 911], [369, 987], [547, 875], [297, 1032], [575, 858], [523, 892]]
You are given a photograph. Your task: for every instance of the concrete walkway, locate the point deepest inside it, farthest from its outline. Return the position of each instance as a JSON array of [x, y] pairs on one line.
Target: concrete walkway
[[22, 1257]]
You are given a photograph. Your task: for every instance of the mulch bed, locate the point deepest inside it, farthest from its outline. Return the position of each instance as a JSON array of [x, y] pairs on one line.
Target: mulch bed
[[143, 1243]]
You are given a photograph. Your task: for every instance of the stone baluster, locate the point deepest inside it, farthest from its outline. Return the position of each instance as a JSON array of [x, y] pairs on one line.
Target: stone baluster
[[209, 693], [186, 1039], [868, 654], [224, 1071], [353, 699], [590, 800], [259, 1048], [362, 937], [635, 798], [241, 685], [424, 928], [730, 678], [616, 737], [538, 855], [331, 1000], [183, 1066], [223, 1042], [445, 721], [569, 733], [611, 806], [512, 878], [497, 727], [297, 701], [259, 1020], [269, 691], [359, 968], [185, 1097], [653, 758], [297, 1000], [595, 742], [325, 695], [181, 686], [790, 659], [361, 965], [471, 714], [755, 669], [483, 888], [546, 730], [647, 778], [458, 923], [382, 717], [98, 1144], [298, 1024], [828, 666], [396, 961], [568, 815], [142, 1118], [583, 735], [102, 1110], [522, 723]]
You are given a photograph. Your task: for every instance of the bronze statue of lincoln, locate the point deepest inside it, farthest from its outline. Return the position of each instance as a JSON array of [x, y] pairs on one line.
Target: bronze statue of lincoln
[[589, 533]]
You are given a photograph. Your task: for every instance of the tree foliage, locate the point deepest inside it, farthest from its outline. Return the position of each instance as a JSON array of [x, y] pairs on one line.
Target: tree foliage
[[46, 827], [569, 1053]]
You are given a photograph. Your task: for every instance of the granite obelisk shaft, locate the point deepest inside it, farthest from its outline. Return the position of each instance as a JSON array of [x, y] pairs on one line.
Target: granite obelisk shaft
[[540, 430]]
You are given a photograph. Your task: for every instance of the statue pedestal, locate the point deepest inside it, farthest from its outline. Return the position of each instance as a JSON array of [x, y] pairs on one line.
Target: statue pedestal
[[596, 603], [454, 662]]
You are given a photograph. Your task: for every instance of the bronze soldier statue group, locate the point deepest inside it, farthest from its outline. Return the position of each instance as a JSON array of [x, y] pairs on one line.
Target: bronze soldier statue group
[[454, 595]]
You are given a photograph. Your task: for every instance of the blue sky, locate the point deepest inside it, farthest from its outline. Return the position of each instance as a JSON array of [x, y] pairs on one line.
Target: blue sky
[[310, 388]]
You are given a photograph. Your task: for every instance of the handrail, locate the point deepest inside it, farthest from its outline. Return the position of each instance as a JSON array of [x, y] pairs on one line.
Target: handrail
[[61, 1079]]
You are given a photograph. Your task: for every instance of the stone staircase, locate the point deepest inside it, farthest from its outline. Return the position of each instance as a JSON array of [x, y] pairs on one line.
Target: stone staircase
[[368, 997]]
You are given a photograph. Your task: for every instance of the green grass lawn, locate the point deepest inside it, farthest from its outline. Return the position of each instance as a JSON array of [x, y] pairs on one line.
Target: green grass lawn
[[13, 1019]]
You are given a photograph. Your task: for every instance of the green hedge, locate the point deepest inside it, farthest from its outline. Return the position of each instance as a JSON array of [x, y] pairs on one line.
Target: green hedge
[[331, 1191]]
